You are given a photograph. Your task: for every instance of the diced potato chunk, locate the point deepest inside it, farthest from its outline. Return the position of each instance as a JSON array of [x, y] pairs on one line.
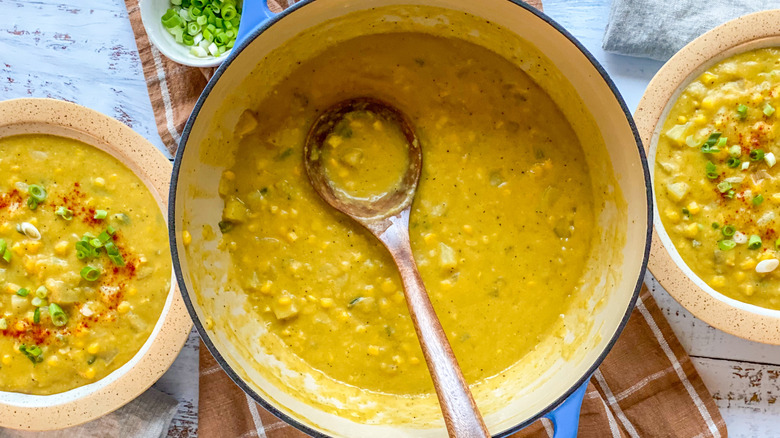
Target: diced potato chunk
[[247, 122], [677, 191], [447, 257], [235, 211]]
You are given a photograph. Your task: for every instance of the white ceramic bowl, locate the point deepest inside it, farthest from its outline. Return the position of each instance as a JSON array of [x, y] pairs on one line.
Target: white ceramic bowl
[[743, 34], [151, 14]]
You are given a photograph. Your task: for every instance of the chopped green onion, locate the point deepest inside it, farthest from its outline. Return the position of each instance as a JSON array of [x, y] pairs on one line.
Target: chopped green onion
[[724, 186], [96, 243], [742, 111], [725, 245], [733, 162], [686, 211], [111, 249], [757, 155], [715, 225], [730, 194], [728, 230], [104, 237], [34, 353], [32, 203], [225, 226], [37, 301], [89, 273], [7, 255], [36, 192], [117, 260], [22, 292], [41, 292], [58, 316], [100, 214], [768, 110], [777, 244], [3, 246], [754, 242], [709, 146], [711, 170], [37, 315], [758, 199], [64, 213]]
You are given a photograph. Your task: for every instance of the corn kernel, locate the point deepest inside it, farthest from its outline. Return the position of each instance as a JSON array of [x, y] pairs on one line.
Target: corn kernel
[[739, 276], [284, 301], [132, 291], [362, 328], [718, 281], [682, 119], [17, 249], [429, 238], [673, 216], [266, 287], [776, 198], [701, 118], [414, 360], [89, 373], [61, 248], [693, 208], [468, 229], [99, 182], [691, 231], [373, 350], [123, 307], [11, 288], [708, 78], [228, 175], [93, 348], [708, 102], [343, 316], [209, 324], [186, 238], [326, 303], [766, 256], [387, 285], [748, 289], [292, 237], [748, 264]]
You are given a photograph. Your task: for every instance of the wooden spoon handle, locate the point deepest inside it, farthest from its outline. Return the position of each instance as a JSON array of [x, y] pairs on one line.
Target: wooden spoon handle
[[457, 404]]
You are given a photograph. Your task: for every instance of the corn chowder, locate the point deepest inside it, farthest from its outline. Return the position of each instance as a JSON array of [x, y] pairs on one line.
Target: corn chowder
[[716, 178], [501, 226], [84, 264]]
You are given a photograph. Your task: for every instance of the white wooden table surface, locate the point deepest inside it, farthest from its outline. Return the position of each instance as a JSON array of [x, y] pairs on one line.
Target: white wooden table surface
[[83, 51]]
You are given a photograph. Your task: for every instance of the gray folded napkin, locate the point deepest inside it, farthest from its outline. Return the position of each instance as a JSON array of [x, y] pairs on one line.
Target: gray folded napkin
[[148, 416], [658, 29]]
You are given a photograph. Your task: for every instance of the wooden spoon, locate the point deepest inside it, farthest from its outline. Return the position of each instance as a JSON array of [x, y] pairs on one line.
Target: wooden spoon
[[387, 217]]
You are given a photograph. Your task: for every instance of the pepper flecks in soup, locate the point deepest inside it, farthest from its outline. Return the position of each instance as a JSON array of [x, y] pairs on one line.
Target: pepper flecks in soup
[[84, 264], [716, 178], [501, 226]]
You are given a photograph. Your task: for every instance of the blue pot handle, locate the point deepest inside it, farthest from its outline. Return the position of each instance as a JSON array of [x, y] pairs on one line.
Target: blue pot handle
[[566, 417], [254, 14]]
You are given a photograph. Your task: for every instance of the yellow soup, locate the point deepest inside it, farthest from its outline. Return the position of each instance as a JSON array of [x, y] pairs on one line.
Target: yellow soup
[[716, 178], [365, 156], [501, 226], [85, 267]]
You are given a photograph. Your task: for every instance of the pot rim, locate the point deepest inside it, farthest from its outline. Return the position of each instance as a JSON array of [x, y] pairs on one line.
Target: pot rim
[[191, 306]]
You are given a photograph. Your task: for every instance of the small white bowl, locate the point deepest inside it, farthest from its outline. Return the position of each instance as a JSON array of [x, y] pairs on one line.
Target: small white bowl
[[151, 15]]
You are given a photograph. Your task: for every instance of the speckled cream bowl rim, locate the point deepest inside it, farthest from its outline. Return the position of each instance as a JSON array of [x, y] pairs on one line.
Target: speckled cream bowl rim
[[743, 34], [28, 412]]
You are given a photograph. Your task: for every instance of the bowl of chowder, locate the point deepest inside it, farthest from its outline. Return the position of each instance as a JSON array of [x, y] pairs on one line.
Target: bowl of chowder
[[89, 316], [709, 122]]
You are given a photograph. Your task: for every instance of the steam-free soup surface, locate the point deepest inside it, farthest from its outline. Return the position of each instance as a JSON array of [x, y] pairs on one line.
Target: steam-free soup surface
[[716, 177], [84, 264], [501, 225]]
